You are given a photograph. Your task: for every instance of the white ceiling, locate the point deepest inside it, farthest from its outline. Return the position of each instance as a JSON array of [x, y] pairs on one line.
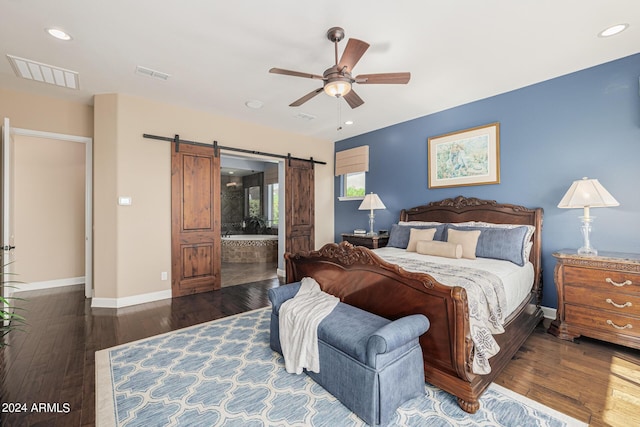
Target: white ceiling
[[218, 53]]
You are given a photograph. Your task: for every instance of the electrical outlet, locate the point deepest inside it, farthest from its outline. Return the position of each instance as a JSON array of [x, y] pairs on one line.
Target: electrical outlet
[[164, 275]]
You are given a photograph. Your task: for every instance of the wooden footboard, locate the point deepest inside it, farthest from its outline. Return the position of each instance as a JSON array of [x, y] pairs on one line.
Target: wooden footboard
[[359, 277]]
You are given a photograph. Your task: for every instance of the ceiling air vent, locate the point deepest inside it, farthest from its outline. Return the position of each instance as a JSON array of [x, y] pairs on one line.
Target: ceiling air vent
[[33, 70], [152, 73], [304, 116]]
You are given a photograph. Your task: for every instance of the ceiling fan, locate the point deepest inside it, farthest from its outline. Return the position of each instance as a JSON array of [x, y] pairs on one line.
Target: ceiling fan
[[337, 79]]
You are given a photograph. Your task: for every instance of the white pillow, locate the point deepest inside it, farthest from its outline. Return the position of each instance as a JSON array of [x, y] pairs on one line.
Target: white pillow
[[417, 234], [416, 223], [437, 248], [527, 251], [467, 239]]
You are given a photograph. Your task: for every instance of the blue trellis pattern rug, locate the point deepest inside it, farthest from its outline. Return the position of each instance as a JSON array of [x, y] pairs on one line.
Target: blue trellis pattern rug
[[223, 373]]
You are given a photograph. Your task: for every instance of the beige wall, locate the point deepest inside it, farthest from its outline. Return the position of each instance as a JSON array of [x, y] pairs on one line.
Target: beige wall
[[133, 243], [46, 114], [49, 209], [41, 113]]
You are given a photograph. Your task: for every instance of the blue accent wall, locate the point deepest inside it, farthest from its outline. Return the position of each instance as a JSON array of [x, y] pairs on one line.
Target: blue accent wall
[[582, 124]]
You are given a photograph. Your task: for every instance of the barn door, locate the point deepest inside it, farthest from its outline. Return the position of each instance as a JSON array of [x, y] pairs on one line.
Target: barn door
[[195, 220], [300, 206]]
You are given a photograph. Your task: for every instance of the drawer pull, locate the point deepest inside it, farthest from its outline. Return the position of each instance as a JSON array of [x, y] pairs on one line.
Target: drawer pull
[[627, 326], [625, 283], [626, 304]]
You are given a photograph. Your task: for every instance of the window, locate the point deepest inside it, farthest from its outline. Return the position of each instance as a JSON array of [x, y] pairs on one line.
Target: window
[[353, 184], [273, 213], [351, 166], [252, 198]]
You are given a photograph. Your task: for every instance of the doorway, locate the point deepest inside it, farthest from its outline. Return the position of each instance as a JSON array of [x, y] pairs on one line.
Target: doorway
[[252, 219], [47, 202], [199, 231]]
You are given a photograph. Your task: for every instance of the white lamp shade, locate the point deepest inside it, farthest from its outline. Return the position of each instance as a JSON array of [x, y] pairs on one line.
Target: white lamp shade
[[371, 201], [587, 193], [337, 88]]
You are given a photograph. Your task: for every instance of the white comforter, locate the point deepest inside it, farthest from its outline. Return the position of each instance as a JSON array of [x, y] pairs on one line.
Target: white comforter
[[299, 320], [486, 293]]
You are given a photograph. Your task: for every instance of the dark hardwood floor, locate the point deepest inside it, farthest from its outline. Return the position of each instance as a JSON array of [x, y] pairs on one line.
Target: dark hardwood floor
[[53, 360]]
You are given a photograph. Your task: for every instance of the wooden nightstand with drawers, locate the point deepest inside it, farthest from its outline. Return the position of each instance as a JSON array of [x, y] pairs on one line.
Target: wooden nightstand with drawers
[[598, 297], [367, 240]]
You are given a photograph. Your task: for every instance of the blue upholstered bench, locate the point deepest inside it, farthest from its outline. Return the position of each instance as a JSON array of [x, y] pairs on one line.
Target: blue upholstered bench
[[369, 363]]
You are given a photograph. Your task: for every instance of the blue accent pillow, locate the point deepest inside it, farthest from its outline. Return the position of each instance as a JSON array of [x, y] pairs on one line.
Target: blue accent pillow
[[508, 244], [399, 235]]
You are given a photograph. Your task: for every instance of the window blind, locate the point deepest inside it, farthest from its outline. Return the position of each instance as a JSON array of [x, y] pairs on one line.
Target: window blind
[[271, 174], [352, 160]]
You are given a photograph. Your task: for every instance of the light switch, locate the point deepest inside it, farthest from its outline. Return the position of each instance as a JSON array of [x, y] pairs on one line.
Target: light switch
[[124, 201]]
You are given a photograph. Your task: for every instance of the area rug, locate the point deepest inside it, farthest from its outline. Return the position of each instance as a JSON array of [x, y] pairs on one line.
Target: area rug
[[223, 373]]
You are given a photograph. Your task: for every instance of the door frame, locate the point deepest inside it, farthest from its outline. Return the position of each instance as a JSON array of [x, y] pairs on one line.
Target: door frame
[[280, 271], [7, 216], [88, 201]]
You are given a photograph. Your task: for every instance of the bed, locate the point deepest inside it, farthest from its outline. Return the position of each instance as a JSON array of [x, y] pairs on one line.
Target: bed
[[361, 277]]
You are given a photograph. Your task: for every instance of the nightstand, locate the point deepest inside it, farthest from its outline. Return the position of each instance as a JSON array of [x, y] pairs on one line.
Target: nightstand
[[598, 297], [368, 241]]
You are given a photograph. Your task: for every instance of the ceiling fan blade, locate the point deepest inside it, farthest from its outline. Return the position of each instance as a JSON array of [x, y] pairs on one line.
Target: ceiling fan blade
[[305, 98], [383, 78], [353, 99], [295, 73], [352, 54]]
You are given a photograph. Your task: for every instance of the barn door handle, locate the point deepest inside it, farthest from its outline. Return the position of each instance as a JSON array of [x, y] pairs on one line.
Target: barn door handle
[[8, 247]]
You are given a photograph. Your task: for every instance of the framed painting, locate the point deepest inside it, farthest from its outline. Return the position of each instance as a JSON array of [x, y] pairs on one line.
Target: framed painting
[[466, 157]]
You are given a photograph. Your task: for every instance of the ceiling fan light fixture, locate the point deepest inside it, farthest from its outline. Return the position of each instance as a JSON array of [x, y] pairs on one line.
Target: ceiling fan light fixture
[[337, 88], [338, 78]]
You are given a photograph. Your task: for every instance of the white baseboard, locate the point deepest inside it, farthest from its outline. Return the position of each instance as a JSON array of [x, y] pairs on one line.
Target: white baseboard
[[48, 284], [132, 300], [549, 313]]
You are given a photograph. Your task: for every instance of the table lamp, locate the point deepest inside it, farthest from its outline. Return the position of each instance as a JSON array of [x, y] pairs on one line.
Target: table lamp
[[371, 201], [587, 193]]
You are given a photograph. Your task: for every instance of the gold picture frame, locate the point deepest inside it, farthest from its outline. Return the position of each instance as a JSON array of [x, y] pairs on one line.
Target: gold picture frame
[[466, 157]]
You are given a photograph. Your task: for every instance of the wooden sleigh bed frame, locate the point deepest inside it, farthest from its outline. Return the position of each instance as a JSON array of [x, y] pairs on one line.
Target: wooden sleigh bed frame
[[360, 278]]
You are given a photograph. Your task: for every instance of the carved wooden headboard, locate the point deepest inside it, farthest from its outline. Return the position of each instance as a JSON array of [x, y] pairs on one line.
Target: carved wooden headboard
[[462, 209]]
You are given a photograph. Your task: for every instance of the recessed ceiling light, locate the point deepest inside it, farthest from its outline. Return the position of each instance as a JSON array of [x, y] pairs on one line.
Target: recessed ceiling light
[[59, 34], [348, 122], [254, 104], [613, 30]]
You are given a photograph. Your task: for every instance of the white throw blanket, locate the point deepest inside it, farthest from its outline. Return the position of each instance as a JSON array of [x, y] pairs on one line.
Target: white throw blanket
[[299, 320], [486, 299]]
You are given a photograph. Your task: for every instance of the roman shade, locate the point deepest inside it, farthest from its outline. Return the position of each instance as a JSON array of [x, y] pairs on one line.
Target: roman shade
[[352, 160]]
